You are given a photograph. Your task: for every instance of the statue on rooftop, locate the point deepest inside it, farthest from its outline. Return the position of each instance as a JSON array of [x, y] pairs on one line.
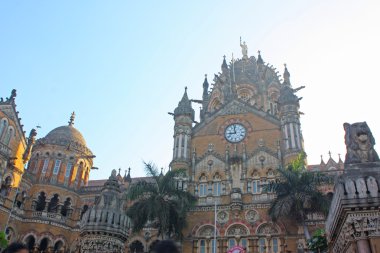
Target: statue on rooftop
[[359, 143], [244, 49]]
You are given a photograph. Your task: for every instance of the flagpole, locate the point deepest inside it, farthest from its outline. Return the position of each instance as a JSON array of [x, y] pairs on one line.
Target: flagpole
[[215, 228]]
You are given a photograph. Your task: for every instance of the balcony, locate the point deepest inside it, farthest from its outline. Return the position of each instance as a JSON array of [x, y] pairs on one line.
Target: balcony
[[5, 150], [260, 198], [49, 216]]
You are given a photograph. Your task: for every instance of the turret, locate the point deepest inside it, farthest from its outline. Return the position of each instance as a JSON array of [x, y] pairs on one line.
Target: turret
[[183, 118], [105, 227], [290, 119]]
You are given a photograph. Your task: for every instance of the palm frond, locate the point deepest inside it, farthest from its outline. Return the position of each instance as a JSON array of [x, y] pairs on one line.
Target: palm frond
[[141, 189]]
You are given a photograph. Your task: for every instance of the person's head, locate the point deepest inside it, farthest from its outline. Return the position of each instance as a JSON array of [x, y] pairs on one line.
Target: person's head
[[166, 246], [16, 247]]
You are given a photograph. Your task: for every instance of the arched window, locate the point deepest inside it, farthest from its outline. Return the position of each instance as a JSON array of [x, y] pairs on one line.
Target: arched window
[[44, 244], [244, 243], [202, 190], [69, 166], [8, 136], [275, 248], [30, 241], [10, 234], [262, 245], [58, 246], [6, 186], [57, 165], [53, 205], [137, 247], [66, 209], [256, 186], [45, 166], [231, 243], [217, 188], [3, 127], [202, 246], [84, 210], [41, 202]]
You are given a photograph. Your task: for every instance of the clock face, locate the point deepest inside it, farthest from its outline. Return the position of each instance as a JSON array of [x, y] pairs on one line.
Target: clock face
[[235, 133]]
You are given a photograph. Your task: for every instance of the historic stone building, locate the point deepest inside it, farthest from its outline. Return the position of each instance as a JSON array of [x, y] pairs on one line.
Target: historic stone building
[[249, 125]]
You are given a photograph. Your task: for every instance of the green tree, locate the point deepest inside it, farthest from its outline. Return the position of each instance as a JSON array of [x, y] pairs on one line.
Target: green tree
[[298, 193], [318, 243], [3, 240], [157, 200]]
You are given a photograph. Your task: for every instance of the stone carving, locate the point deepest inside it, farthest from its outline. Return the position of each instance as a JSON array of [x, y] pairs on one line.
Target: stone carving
[[244, 49], [361, 187], [350, 188], [267, 229], [251, 216], [372, 186], [237, 230], [222, 217], [206, 231], [359, 143]]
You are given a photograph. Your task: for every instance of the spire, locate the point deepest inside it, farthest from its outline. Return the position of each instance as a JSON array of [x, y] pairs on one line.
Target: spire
[[162, 174], [72, 118], [322, 162], [205, 88], [259, 59], [127, 178], [340, 159], [224, 64], [286, 76], [184, 106]]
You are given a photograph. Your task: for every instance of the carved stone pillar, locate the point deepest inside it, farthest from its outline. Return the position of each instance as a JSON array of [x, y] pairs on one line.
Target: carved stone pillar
[[363, 246]]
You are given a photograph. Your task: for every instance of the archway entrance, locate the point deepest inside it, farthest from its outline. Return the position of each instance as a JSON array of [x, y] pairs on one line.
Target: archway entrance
[[136, 247]]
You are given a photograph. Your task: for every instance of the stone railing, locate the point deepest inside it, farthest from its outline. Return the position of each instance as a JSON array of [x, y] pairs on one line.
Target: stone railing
[[49, 216], [263, 197], [203, 201], [5, 150]]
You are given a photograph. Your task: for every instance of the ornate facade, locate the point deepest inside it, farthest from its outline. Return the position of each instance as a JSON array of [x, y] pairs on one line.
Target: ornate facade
[[249, 126]]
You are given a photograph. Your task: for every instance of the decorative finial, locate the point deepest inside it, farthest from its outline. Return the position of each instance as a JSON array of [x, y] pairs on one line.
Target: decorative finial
[[330, 154], [259, 59], [72, 118], [119, 171], [322, 162], [286, 75], [185, 88]]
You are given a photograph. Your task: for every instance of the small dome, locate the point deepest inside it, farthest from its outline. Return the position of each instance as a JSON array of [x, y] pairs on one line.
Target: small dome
[[65, 134]]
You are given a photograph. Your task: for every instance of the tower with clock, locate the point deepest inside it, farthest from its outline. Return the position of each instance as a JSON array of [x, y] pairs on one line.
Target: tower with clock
[[249, 126]]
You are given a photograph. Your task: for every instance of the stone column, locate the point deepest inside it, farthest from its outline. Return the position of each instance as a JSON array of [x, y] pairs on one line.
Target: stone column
[[363, 246]]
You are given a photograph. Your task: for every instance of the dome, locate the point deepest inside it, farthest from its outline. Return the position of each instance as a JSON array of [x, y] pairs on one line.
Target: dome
[[65, 134]]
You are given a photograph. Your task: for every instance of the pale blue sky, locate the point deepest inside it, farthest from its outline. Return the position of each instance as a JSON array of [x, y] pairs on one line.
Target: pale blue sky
[[121, 66]]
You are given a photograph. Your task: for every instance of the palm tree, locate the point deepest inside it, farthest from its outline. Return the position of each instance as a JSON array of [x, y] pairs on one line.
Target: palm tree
[[298, 193], [159, 201]]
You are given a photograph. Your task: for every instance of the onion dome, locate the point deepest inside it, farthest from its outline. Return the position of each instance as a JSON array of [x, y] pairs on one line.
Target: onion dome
[[184, 107], [67, 136]]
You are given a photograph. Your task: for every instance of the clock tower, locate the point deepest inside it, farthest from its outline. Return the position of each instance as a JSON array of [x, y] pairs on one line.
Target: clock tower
[[249, 126]]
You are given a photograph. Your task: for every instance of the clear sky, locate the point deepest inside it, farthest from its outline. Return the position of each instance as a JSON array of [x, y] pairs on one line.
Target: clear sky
[[122, 65]]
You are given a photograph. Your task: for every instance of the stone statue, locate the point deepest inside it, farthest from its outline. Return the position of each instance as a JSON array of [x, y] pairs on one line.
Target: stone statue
[[244, 49], [359, 143]]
